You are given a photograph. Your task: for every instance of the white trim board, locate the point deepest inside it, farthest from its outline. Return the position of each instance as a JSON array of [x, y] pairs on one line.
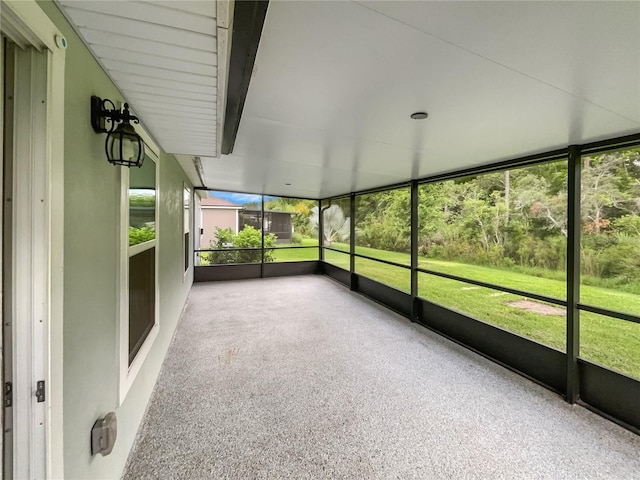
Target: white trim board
[[40, 184], [128, 373]]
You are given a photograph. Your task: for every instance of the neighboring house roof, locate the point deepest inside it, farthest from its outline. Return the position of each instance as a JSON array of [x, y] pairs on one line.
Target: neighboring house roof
[[212, 201]]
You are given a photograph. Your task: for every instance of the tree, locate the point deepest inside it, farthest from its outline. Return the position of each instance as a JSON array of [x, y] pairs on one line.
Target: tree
[[600, 191], [532, 200], [336, 227], [510, 217], [301, 209], [382, 221]]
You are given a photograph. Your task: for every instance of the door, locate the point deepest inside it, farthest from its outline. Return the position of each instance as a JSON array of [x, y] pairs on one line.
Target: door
[[32, 262], [24, 251], [6, 100]]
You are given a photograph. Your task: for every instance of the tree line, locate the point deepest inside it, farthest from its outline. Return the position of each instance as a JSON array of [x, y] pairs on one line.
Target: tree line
[[518, 218]]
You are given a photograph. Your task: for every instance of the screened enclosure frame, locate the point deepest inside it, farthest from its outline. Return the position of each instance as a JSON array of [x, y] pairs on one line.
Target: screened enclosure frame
[[261, 268], [615, 398], [601, 389]]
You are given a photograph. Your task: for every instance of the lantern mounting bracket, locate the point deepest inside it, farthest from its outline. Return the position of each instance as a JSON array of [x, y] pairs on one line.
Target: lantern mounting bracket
[[105, 117]]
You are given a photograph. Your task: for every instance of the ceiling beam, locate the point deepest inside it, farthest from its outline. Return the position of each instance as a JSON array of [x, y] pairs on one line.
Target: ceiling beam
[[248, 20]]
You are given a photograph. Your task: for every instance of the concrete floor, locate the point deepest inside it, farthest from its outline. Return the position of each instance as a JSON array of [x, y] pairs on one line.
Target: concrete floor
[[299, 378]]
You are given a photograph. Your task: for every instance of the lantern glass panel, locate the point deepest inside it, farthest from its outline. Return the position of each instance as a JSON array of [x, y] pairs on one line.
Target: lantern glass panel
[[124, 147]]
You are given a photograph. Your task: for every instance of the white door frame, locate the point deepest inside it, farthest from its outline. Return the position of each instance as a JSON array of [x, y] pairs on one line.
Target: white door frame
[[38, 206], [29, 280]]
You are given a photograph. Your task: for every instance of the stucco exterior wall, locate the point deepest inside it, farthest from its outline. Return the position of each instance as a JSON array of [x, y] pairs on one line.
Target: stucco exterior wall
[[91, 259], [216, 217]]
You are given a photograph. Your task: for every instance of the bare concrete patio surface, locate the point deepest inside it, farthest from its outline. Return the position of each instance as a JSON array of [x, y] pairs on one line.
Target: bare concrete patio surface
[[300, 378]]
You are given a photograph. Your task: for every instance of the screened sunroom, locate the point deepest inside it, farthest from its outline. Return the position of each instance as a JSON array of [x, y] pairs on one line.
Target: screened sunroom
[[310, 239]]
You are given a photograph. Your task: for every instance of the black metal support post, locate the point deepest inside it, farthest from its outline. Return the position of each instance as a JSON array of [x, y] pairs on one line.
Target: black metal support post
[[573, 273], [262, 230], [352, 240], [190, 253], [320, 232], [414, 251]]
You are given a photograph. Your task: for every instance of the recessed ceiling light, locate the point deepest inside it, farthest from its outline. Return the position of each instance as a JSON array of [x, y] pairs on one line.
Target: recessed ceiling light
[[419, 115]]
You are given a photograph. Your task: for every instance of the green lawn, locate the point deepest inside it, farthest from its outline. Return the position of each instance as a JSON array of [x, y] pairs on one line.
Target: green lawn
[[608, 341], [295, 255]]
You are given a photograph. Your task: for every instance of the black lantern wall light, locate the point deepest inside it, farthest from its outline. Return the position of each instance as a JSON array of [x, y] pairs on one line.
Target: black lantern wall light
[[123, 145]]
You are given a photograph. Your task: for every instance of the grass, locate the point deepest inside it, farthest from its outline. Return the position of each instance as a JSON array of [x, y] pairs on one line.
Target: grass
[[611, 342], [281, 254]]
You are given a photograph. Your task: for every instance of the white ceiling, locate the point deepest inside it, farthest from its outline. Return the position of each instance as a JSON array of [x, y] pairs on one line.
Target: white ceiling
[[335, 82], [163, 56]]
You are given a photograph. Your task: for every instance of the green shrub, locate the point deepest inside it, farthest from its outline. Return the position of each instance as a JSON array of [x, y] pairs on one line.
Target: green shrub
[[622, 261], [227, 241], [141, 235], [224, 239], [248, 237]]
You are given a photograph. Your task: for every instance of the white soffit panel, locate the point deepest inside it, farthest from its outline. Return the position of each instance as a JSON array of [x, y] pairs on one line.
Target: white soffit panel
[[163, 57]]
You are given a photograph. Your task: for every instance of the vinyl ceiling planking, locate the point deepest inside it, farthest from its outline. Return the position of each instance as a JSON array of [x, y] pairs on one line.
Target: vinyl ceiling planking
[[146, 71], [157, 13], [202, 7], [123, 42], [202, 113], [197, 130], [132, 28], [165, 92], [172, 85], [187, 64], [204, 105], [163, 57]]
